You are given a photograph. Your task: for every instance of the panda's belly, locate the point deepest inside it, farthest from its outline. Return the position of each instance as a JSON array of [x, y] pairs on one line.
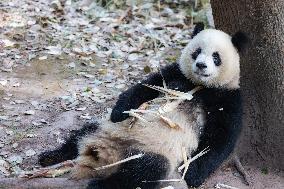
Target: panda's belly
[[157, 136], [112, 139]]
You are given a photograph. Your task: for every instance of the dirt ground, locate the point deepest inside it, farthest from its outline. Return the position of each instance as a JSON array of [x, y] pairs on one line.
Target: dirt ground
[[46, 91]]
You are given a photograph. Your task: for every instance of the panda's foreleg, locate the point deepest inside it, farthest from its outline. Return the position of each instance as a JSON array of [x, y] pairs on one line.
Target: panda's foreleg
[[138, 94], [69, 150], [221, 146], [134, 97], [136, 173], [200, 169]]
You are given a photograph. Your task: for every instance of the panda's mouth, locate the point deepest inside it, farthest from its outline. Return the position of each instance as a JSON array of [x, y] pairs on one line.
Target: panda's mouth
[[202, 74]]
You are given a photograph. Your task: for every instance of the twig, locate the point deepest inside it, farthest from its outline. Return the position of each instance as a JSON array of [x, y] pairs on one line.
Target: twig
[[260, 153], [70, 163], [134, 114], [194, 158], [168, 187], [185, 160], [167, 180], [144, 106], [170, 123], [184, 166], [196, 89], [184, 156], [141, 111], [164, 81], [182, 95], [166, 98], [195, 4], [127, 12], [170, 106], [165, 120], [51, 171], [219, 185], [241, 170], [119, 162]]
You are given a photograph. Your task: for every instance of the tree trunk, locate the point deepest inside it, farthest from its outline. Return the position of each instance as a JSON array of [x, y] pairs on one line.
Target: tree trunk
[[262, 75]]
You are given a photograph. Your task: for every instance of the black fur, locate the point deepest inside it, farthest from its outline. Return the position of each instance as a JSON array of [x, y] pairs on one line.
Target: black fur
[[222, 127], [69, 150], [216, 59], [149, 167], [198, 28], [195, 54], [138, 94], [240, 40]]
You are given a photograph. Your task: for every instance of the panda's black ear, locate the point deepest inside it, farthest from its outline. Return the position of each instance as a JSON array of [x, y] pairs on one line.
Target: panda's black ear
[[198, 28], [240, 40]]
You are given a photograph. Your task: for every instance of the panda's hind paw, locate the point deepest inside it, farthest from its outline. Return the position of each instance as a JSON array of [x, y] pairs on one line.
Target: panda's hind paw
[[49, 158]]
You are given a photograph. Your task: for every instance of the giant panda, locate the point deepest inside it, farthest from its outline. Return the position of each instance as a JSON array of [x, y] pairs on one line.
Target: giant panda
[[212, 118]]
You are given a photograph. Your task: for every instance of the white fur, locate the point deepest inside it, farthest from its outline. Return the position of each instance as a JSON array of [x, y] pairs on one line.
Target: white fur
[[113, 138], [210, 40]]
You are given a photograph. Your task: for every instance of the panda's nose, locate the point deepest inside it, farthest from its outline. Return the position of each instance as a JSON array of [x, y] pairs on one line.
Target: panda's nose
[[201, 65]]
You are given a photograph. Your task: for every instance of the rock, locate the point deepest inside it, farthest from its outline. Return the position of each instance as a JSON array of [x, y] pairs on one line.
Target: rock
[[42, 58], [81, 108], [15, 145], [29, 112], [54, 50], [71, 65], [15, 159], [167, 12], [3, 82], [133, 57], [19, 101], [5, 118], [30, 153], [4, 167], [120, 86]]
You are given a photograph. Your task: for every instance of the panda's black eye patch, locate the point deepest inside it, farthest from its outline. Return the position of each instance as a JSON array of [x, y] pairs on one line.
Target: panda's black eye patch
[[196, 53], [216, 58]]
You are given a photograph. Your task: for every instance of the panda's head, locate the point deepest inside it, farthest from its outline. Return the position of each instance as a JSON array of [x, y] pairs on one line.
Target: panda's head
[[212, 58]]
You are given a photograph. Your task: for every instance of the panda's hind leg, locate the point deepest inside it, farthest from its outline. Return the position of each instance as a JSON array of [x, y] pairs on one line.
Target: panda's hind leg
[[96, 151], [69, 150], [142, 172]]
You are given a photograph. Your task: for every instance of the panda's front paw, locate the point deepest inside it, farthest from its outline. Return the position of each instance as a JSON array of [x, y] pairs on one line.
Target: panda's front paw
[[192, 177], [117, 115], [194, 182]]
